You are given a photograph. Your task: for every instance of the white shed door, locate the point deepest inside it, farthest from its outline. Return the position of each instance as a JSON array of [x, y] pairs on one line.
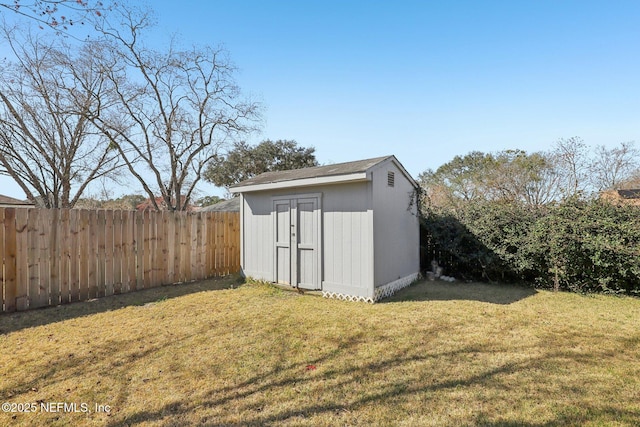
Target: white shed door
[[297, 242]]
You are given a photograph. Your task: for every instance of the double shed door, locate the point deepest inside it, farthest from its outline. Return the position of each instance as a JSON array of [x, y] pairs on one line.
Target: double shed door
[[297, 241]]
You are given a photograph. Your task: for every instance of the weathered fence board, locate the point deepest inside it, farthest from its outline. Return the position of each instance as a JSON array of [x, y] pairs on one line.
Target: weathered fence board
[[54, 257], [163, 250], [2, 256], [84, 254], [22, 272], [51, 257], [92, 275], [147, 249], [74, 256], [128, 258], [138, 251], [37, 297], [10, 290]]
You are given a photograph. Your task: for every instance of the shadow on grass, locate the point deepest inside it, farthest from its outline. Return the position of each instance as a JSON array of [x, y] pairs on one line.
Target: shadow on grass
[[283, 391], [289, 374], [11, 322], [573, 416], [447, 291]]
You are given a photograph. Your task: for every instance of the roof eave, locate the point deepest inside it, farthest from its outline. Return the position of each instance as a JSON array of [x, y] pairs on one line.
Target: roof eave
[[304, 182]]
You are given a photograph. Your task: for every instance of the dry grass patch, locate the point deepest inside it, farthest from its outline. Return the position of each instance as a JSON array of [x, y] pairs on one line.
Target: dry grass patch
[[436, 354]]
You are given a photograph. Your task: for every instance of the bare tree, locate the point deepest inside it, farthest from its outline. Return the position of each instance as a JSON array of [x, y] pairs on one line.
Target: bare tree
[[47, 145], [180, 108], [610, 168], [526, 178], [571, 159], [59, 15]]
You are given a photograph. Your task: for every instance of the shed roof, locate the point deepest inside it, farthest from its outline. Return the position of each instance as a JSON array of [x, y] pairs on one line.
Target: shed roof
[[335, 173]]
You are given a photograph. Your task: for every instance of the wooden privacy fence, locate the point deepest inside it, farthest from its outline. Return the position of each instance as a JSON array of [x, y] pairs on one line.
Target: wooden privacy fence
[[56, 256]]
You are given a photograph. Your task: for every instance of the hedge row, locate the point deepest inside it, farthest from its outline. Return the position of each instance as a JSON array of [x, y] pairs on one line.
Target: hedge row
[[583, 246]]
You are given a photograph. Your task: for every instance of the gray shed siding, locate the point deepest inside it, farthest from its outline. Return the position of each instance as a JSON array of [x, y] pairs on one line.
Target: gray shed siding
[[348, 239], [346, 229], [257, 243], [395, 226]]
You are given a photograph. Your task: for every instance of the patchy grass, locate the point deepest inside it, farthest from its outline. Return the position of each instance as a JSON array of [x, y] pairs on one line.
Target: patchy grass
[[436, 354]]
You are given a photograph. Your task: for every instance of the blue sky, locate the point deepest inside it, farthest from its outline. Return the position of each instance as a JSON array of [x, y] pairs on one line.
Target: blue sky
[[425, 80]]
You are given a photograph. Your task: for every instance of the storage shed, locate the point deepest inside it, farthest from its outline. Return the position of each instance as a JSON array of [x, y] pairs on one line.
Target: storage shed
[[349, 230]]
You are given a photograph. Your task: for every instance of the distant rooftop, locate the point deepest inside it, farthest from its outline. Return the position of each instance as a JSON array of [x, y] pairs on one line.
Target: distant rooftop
[[6, 200], [231, 205], [629, 194]]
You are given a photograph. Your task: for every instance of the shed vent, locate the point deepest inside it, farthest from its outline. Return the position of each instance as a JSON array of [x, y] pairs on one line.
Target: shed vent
[[390, 179]]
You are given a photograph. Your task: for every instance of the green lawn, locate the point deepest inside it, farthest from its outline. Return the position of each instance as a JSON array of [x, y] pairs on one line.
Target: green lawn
[[436, 354]]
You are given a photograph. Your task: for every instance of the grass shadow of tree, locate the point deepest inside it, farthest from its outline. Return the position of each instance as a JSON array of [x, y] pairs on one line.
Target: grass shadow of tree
[[11, 322], [272, 382], [446, 291]]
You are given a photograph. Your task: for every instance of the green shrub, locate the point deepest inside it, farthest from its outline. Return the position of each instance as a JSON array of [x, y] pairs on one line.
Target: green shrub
[[582, 246]]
